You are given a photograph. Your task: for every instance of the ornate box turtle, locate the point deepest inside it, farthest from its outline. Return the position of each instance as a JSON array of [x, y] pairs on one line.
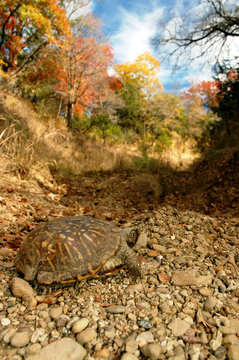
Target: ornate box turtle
[[73, 248]]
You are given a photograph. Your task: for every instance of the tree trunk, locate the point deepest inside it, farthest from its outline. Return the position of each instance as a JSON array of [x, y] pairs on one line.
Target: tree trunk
[[69, 115]]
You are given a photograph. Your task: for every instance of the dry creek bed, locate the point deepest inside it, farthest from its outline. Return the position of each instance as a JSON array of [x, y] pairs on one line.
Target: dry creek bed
[[186, 306]]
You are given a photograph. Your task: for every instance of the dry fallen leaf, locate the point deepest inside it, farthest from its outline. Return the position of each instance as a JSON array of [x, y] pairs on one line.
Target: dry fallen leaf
[[164, 278], [153, 253]]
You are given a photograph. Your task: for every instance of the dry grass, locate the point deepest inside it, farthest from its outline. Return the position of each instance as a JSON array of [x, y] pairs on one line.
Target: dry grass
[[29, 145], [18, 150], [180, 154]]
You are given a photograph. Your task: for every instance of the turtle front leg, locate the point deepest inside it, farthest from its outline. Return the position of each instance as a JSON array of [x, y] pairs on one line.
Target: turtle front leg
[[129, 258]]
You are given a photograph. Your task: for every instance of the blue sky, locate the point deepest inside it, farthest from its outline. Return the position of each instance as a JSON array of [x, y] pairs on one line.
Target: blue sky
[[129, 26]]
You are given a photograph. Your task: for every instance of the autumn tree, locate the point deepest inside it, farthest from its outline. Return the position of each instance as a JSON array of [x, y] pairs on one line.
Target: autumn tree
[[139, 84], [227, 106], [108, 100], [26, 26], [219, 97], [206, 29], [143, 72], [84, 57], [165, 115]]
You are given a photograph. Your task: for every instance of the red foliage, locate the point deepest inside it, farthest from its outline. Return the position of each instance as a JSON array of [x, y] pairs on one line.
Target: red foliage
[[211, 92], [207, 91], [115, 83]]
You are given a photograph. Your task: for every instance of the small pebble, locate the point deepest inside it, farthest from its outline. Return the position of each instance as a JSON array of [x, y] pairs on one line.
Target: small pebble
[[152, 351], [145, 324], [103, 353], [21, 339], [131, 346], [233, 352], [5, 321], [80, 325], [86, 335], [128, 356], [116, 309], [146, 336], [55, 312]]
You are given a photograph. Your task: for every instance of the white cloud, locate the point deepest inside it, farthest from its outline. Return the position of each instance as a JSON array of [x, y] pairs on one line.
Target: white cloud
[[134, 35]]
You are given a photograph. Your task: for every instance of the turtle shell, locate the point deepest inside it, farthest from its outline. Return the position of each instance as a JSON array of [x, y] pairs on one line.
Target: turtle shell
[[67, 249]]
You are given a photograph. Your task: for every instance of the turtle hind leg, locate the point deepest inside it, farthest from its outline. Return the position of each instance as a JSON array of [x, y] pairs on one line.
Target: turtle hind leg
[[29, 272]]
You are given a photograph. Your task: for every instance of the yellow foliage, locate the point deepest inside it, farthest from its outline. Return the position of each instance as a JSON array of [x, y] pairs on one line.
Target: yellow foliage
[[144, 71]]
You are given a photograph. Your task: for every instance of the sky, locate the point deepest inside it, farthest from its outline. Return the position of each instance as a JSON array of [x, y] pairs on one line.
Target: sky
[[130, 25]]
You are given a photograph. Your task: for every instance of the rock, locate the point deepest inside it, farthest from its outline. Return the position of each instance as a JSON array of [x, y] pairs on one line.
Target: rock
[[178, 326], [116, 309], [59, 350], [231, 339], [146, 336], [143, 305], [128, 356], [30, 302], [141, 242], [110, 334], [9, 335], [55, 312], [33, 349], [80, 325], [233, 305], [145, 324], [210, 303], [21, 338], [217, 342], [42, 306], [220, 353], [103, 353], [227, 330], [152, 351], [131, 346], [86, 335], [182, 278], [38, 335], [166, 309], [43, 314], [234, 324], [21, 288], [5, 321], [195, 352], [134, 288], [233, 352], [71, 322], [62, 320], [205, 291], [178, 353]]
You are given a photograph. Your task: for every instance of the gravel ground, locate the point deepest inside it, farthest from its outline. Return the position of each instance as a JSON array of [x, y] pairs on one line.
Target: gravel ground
[[186, 306]]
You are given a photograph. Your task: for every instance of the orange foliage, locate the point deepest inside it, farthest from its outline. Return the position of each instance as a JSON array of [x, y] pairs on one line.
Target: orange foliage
[[80, 64], [22, 20]]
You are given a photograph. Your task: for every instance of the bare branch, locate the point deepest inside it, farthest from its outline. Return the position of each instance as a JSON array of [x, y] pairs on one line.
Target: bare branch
[[208, 27]]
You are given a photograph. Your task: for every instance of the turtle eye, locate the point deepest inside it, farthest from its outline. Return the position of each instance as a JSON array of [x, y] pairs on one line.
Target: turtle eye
[[133, 235]]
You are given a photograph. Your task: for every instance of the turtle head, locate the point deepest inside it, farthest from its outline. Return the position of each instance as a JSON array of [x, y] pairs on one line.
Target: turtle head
[[130, 235]]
